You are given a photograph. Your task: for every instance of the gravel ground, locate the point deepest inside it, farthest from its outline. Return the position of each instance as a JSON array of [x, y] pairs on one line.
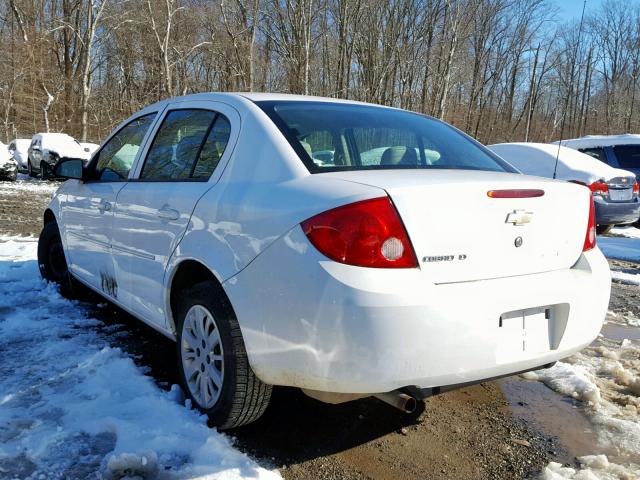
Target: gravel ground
[[476, 432]]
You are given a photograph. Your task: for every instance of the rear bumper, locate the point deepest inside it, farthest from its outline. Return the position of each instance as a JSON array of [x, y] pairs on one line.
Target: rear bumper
[[316, 324], [608, 213]]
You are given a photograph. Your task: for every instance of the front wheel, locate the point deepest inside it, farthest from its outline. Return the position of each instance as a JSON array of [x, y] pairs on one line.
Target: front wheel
[[30, 171], [51, 259], [213, 364], [603, 229]]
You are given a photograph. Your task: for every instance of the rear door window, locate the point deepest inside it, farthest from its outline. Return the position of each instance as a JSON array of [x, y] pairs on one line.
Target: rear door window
[[628, 156], [188, 145], [213, 148]]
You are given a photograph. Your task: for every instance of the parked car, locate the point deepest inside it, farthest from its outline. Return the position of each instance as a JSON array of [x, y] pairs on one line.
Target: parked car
[[619, 151], [207, 218], [47, 149], [8, 166], [19, 149], [615, 191]]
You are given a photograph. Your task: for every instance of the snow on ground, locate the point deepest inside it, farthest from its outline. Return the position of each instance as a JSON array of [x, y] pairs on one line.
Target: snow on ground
[[623, 248], [625, 245], [606, 377], [72, 405], [592, 467], [26, 184], [624, 277], [631, 232]]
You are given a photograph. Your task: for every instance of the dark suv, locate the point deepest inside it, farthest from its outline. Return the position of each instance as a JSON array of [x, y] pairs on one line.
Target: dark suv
[[618, 151]]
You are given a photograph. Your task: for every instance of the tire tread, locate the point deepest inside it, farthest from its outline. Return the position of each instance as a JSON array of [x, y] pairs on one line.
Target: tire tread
[[251, 396]]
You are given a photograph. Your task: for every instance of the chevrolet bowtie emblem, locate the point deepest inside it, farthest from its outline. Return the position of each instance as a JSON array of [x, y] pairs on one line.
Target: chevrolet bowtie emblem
[[519, 217]]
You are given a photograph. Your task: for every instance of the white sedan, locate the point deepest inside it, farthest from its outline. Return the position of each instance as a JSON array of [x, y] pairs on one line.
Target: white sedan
[[213, 219]]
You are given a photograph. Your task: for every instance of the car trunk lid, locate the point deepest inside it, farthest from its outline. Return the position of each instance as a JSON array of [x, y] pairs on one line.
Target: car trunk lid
[[461, 234]]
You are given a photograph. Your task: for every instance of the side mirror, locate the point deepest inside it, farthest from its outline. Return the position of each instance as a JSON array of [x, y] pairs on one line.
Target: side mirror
[[70, 168]]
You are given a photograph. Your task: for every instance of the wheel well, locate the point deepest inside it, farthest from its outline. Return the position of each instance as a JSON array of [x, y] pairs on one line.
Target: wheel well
[[49, 216], [188, 274]]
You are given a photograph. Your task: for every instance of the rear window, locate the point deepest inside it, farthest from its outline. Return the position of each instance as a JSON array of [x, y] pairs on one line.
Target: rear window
[[334, 136], [628, 155]]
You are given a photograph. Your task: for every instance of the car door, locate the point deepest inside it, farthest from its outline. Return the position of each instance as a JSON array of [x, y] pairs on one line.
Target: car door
[[35, 155], [153, 212], [87, 207]]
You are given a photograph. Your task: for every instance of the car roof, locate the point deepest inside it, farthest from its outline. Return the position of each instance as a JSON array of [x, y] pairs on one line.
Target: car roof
[[594, 141], [243, 97]]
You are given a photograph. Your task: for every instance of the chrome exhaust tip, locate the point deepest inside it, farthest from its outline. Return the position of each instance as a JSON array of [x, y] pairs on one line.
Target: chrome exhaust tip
[[399, 400]]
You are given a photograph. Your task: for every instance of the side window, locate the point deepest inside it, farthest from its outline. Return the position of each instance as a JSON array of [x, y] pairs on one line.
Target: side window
[[628, 156], [213, 148], [597, 153], [177, 145], [113, 162]]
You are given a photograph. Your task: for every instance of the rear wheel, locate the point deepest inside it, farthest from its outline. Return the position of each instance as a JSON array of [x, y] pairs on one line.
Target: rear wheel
[[212, 360], [603, 229], [51, 259]]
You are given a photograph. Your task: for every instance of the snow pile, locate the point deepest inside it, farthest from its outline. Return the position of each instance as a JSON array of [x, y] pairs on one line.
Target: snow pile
[[623, 248], [630, 232], [72, 405], [571, 380], [592, 467], [624, 277], [625, 319], [30, 185], [606, 377]]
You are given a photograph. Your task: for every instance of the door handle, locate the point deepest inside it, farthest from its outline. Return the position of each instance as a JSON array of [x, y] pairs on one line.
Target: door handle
[[104, 206], [168, 213]]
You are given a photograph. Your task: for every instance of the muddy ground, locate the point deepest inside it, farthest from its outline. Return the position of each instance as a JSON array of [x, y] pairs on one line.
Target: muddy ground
[[500, 429]]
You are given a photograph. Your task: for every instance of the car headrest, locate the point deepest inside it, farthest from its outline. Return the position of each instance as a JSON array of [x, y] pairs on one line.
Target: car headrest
[[399, 156]]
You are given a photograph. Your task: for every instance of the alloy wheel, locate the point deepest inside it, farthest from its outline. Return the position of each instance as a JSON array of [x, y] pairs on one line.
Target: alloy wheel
[[202, 356]]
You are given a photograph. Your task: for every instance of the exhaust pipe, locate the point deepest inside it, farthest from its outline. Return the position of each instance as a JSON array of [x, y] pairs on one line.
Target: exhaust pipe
[[397, 399]]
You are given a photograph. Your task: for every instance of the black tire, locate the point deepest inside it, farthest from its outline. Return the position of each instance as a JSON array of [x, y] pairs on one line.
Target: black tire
[[30, 171], [243, 397], [52, 261], [44, 172], [603, 229]]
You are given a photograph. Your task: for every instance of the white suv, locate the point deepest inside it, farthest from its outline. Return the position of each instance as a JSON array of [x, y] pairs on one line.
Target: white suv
[[218, 220]]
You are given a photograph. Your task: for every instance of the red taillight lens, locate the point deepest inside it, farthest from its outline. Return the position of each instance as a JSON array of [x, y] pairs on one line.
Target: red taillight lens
[[599, 188], [366, 234], [590, 237], [635, 187]]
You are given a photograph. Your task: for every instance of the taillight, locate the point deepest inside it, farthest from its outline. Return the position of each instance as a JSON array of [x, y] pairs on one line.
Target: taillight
[[366, 234], [635, 187], [515, 193], [590, 237], [599, 188]]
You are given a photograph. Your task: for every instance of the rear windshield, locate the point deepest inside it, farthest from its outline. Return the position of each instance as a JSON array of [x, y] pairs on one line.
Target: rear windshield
[[628, 155], [334, 136]]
